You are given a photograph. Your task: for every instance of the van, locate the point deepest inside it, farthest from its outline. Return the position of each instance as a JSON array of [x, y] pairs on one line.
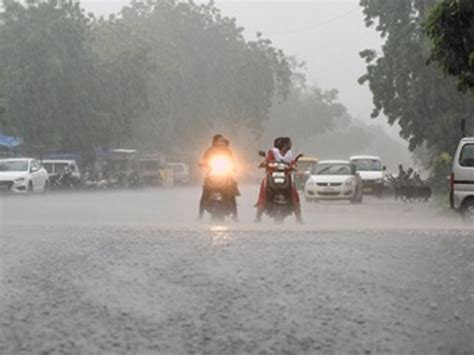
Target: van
[[371, 171], [462, 179], [305, 167]]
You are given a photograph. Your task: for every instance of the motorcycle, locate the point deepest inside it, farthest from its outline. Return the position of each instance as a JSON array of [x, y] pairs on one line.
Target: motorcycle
[[64, 181], [279, 186], [220, 188]]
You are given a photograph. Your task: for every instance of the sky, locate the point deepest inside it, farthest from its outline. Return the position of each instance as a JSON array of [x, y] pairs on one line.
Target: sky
[[326, 34]]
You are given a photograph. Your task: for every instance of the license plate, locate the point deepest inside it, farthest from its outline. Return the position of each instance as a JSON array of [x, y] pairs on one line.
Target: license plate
[[329, 189], [278, 175], [368, 189]]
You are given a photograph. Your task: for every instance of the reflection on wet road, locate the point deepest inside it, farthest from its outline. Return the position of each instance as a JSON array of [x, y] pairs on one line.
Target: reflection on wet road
[[134, 273]]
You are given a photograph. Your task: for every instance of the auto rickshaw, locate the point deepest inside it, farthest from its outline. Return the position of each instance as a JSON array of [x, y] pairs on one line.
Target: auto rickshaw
[[305, 167]]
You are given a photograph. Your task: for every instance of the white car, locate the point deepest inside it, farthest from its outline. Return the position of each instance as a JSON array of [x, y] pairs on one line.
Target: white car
[[180, 172], [462, 180], [23, 175], [334, 180], [372, 173]]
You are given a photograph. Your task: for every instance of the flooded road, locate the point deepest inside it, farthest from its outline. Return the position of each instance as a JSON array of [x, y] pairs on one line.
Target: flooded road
[[135, 273]]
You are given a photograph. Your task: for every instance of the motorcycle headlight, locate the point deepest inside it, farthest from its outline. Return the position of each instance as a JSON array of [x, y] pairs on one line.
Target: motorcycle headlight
[[220, 166]]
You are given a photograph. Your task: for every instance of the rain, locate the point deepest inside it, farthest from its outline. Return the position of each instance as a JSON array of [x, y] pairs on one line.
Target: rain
[[236, 177]]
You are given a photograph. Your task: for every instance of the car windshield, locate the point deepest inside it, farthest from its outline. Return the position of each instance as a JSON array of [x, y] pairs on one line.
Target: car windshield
[[367, 164], [332, 169], [13, 166]]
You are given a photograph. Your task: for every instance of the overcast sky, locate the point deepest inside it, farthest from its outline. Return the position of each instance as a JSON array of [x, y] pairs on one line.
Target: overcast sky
[[326, 34]]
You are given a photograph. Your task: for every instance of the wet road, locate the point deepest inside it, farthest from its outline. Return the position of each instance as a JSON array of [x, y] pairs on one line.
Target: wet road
[[134, 273]]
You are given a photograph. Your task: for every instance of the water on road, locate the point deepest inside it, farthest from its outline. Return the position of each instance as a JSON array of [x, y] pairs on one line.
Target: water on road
[[133, 272]]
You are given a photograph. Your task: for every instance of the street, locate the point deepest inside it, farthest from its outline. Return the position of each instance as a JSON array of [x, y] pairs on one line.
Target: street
[[134, 272]]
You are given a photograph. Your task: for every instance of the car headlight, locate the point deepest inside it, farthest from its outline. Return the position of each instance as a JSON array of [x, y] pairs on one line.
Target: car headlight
[[21, 179]]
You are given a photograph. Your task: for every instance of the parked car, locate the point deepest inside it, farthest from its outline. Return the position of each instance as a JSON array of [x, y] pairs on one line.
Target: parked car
[[305, 167], [462, 179], [151, 169], [334, 180], [180, 172], [23, 175], [372, 173]]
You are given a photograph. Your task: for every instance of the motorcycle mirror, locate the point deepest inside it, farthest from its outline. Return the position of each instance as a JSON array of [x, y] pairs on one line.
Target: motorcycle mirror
[[262, 153]]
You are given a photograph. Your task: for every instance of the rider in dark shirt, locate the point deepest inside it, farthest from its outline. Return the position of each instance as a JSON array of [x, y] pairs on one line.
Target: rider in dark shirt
[[219, 146]]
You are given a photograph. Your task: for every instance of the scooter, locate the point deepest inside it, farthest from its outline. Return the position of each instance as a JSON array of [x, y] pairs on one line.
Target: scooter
[[220, 188], [279, 185]]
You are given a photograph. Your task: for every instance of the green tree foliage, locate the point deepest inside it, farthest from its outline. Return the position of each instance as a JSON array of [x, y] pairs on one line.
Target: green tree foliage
[[450, 25], [405, 89], [48, 74], [202, 74], [160, 75]]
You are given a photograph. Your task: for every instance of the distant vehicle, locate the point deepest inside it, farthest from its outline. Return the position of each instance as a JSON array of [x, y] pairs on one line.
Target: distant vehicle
[[180, 172], [304, 168], [151, 169], [372, 172], [220, 200], [121, 167], [462, 180], [56, 167], [23, 175], [334, 180]]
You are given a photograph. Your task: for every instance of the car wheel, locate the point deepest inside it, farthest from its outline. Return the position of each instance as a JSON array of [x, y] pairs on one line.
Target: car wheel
[[468, 212]]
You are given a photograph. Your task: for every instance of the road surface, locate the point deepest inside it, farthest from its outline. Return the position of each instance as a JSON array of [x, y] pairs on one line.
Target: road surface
[[134, 273]]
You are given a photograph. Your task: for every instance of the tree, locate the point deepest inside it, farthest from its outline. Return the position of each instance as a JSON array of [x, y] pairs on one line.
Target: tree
[[161, 76], [450, 25], [49, 75], [200, 73], [405, 89]]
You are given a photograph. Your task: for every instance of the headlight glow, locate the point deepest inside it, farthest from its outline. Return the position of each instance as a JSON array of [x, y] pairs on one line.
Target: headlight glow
[[220, 166]]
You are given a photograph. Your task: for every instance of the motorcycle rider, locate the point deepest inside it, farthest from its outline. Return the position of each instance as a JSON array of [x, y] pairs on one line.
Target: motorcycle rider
[[281, 152], [219, 146]]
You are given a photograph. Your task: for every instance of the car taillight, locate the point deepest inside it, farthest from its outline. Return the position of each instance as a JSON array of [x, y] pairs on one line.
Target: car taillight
[[451, 182]]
